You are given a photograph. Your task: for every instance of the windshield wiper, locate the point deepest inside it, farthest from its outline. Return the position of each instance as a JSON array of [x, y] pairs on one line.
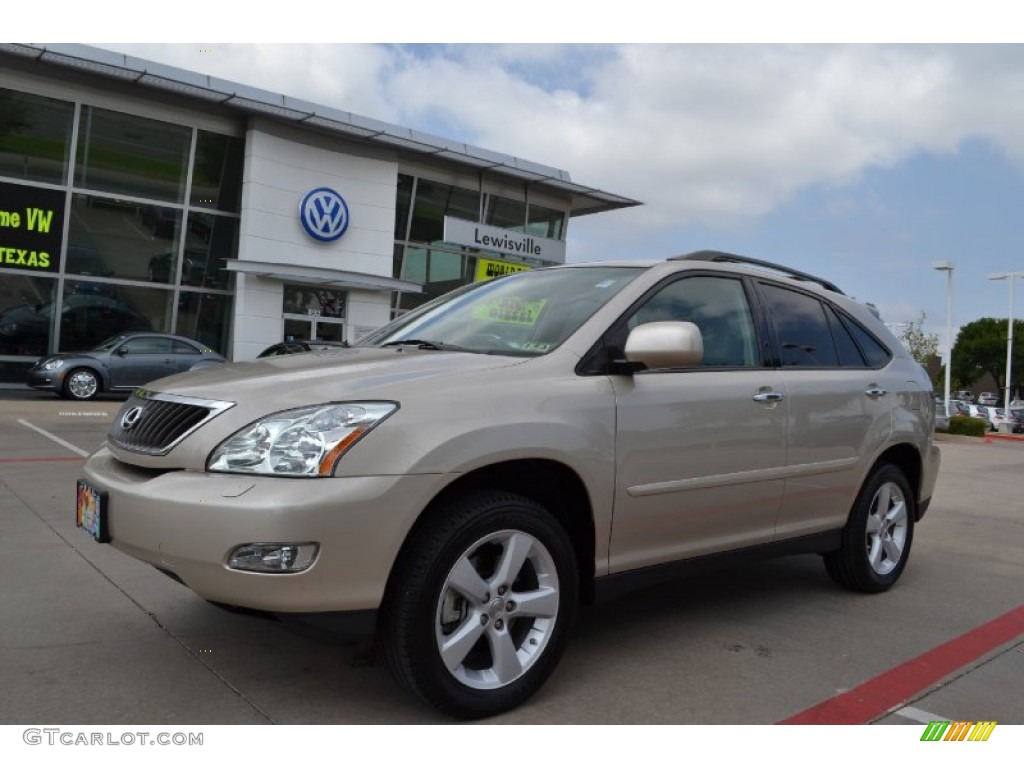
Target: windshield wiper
[[422, 344]]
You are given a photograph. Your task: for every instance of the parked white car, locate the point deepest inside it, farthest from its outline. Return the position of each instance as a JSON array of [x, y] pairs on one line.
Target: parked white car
[[987, 398]]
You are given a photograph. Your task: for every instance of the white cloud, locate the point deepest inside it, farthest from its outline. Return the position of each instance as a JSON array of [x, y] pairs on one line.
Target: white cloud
[[712, 135]]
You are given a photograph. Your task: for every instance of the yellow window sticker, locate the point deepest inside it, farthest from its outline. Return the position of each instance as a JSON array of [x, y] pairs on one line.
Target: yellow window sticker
[[510, 310]]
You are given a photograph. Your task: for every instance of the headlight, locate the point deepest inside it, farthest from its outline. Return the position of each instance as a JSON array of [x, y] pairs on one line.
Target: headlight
[[52, 365], [300, 442]]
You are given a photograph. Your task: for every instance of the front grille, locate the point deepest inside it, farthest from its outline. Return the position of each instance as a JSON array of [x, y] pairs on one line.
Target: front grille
[[151, 422]]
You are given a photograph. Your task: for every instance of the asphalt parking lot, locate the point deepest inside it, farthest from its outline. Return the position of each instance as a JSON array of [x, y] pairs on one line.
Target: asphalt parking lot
[[90, 636]]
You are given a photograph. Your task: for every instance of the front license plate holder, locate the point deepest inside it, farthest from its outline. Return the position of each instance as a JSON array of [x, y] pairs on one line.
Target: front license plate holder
[[92, 511]]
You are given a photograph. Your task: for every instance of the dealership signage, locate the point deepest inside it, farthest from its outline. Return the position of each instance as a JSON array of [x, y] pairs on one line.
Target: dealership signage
[[488, 268], [31, 227], [505, 241], [324, 214]]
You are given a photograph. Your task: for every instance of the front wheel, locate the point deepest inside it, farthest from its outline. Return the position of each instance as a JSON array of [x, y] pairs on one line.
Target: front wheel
[[478, 611], [81, 384], [877, 537]]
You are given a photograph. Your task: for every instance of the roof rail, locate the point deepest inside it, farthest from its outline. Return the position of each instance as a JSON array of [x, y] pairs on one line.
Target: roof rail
[[721, 256]]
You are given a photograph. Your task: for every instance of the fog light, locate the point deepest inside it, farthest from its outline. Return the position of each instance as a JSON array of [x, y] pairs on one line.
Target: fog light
[[273, 558]]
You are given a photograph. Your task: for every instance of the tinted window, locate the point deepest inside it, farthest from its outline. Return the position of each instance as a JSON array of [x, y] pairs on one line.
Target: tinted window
[[35, 133], [147, 345], [801, 328], [876, 354], [718, 307], [183, 348], [118, 152], [846, 347]]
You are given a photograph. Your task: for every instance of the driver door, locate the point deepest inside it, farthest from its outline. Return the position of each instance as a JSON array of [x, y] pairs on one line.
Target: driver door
[[139, 360], [700, 451]]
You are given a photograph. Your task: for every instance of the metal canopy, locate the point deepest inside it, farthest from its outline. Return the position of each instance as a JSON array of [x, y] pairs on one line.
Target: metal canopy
[[249, 100]]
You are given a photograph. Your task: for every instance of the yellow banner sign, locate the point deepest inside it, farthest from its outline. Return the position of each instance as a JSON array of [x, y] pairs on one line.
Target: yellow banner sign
[[488, 268]]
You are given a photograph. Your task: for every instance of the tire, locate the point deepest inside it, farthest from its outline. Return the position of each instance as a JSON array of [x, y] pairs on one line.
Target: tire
[[479, 608], [877, 537], [81, 384]]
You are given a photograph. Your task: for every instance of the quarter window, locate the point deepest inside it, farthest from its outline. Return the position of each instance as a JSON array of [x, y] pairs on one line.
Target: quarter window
[[846, 347]]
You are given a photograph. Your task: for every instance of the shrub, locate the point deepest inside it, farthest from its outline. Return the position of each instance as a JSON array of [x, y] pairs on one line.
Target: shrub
[[967, 425]]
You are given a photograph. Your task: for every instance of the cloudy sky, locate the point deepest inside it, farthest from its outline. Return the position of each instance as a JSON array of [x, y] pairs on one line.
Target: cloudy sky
[[863, 163]]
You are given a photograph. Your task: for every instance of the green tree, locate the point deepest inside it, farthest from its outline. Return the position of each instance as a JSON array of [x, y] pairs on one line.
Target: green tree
[[981, 348], [922, 346]]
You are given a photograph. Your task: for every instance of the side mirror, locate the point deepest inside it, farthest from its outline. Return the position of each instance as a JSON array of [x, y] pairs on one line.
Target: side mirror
[[122, 350], [665, 345]]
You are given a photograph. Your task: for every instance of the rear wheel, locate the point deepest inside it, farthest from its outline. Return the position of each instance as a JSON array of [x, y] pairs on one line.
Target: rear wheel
[[478, 613], [81, 384], [877, 537]]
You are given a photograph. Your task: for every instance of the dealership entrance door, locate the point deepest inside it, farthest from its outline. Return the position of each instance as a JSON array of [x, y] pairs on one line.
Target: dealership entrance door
[[314, 327]]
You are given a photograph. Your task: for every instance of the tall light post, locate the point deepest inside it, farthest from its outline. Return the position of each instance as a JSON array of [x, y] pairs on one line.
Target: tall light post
[[948, 267], [1011, 276]]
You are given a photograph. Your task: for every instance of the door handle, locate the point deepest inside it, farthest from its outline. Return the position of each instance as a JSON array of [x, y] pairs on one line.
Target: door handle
[[768, 397], [875, 392]]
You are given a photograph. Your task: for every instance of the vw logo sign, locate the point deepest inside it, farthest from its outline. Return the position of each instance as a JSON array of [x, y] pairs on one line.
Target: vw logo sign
[[323, 214], [131, 417]]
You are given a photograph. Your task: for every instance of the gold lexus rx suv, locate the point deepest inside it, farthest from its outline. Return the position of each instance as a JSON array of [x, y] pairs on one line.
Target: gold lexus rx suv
[[460, 480]]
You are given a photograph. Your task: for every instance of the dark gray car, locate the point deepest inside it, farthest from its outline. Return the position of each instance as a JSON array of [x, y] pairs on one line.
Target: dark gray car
[[121, 363]]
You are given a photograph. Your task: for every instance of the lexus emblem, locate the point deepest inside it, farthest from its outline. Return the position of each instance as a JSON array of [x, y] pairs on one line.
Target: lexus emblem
[[131, 417], [323, 214]]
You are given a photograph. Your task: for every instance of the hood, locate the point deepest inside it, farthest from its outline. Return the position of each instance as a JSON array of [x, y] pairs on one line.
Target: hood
[[317, 377], [70, 356]]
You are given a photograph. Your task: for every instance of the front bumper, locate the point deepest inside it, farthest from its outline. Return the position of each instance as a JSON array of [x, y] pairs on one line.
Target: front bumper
[[187, 523], [48, 380]]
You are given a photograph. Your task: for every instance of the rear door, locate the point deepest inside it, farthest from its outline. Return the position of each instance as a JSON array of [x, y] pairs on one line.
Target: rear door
[[841, 399]]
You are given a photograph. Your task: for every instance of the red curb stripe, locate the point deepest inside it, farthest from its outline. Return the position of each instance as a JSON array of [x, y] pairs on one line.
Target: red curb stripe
[[888, 690], [44, 458]]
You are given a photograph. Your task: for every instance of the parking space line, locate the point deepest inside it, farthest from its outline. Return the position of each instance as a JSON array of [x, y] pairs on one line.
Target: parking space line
[[919, 715], [884, 693], [39, 459], [57, 440]]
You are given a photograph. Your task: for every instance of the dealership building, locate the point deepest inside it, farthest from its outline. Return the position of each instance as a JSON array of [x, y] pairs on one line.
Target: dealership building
[[138, 196]]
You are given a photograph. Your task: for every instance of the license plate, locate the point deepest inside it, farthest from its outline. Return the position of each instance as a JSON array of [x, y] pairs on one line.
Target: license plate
[[92, 512]]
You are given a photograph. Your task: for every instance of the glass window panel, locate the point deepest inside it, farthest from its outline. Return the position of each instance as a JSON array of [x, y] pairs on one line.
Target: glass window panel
[[402, 205], [205, 317], [35, 136], [182, 348], [434, 201], [132, 155], [31, 227], [446, 267], [801, 329], [92, 312], [438, 271], [148, 345], [314, 302], [505, 213], [414, 265], [217, 174], [718, 307], [846, 347], [117, 238], [545, 222], [876, 353], [209, 242], [26, 314]]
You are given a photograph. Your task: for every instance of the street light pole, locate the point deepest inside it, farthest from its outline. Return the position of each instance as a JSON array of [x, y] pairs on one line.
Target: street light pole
[[1011, 276], [948, 267]]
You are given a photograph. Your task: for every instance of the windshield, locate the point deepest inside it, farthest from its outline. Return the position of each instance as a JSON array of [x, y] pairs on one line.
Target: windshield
[[105, 346], [523, 314]]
